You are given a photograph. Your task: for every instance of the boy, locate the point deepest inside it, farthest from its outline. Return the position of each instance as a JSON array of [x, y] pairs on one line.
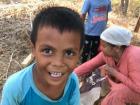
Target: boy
[[57, 38]]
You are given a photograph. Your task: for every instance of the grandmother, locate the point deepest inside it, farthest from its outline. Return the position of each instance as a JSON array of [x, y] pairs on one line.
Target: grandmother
[[122, 64]]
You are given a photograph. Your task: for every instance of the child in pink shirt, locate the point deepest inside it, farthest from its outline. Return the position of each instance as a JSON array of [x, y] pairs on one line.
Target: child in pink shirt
[[122, 62]]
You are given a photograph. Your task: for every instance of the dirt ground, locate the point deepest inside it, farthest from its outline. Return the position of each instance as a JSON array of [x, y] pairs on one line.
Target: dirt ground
[[15, 24]]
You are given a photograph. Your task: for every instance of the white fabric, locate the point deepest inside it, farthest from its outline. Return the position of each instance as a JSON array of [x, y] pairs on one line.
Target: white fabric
[[117, 35], [89, 98]]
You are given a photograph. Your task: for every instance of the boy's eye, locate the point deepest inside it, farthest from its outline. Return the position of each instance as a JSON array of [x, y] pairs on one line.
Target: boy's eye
[[47, 51], [69, 53]]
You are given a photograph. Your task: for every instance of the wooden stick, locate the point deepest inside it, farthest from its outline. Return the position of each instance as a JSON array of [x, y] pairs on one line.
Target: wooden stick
[[27, 60], [11, 57], [137, 25]]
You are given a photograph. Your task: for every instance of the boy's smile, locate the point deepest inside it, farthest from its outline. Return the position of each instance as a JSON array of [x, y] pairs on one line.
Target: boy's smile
[[56, 54], [56, 74]]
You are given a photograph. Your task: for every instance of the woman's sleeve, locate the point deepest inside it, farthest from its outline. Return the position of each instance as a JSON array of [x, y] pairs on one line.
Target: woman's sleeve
[[90, 65]]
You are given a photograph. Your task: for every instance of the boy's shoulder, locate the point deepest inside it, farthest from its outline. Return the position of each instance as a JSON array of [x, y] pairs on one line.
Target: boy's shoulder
[[16, 82], [73, 76], [73, 80], [19, 76], [72, 88]]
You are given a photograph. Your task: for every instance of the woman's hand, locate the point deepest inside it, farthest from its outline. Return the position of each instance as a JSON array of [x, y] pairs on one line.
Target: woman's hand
[[110, 70]]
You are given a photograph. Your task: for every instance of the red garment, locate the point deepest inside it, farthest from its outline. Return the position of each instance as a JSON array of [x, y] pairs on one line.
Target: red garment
[[128, 73], [120, 94]]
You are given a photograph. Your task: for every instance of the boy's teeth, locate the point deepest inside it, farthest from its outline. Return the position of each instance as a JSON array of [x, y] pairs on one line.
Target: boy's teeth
[[56, 74]]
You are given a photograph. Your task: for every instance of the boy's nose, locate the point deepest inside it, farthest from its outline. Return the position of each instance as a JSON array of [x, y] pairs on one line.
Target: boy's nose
[[58, 61]]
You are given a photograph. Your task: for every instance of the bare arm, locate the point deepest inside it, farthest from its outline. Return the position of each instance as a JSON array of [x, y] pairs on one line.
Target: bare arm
[[83, 16]]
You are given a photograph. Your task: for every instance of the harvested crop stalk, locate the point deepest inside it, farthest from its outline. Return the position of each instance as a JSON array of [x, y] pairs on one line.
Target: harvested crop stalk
[[27, 60], [11, 57], [137, 25]]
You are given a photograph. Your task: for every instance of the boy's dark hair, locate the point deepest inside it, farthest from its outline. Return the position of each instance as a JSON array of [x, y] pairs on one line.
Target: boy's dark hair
[[62, 18]]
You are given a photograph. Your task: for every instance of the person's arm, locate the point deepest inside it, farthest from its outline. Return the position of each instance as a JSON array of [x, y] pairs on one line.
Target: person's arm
[[83, 16], [109, 6], [90, 65], [85, 8], [109, 9]]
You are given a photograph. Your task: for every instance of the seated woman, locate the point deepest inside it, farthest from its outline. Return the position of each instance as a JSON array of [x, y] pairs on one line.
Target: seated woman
[[122, 64]]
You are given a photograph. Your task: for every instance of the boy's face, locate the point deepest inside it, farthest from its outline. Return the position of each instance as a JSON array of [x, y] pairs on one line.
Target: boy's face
[[56, 54]]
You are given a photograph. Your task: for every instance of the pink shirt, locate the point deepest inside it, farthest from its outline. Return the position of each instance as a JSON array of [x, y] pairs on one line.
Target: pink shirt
[[128, 67]]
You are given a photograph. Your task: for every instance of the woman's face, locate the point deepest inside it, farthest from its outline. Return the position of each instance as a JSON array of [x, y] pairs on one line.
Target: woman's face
[[107, 49]]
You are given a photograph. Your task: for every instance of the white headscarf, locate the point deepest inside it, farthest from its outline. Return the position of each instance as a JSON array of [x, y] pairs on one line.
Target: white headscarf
[[117, 35]]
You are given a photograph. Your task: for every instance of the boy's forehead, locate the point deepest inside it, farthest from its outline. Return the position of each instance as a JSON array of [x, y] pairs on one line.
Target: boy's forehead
[[53, 34], [53, 30], [58, 41], [59, 29]]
